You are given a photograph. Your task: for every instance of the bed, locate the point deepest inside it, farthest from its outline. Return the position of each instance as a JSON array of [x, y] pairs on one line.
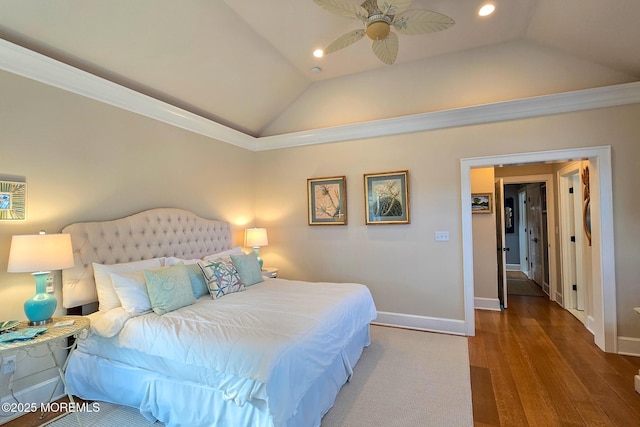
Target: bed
[[275, 353]]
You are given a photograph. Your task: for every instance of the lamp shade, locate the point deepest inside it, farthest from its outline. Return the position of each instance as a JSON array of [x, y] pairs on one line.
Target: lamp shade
[[40, 252], [255, 237]]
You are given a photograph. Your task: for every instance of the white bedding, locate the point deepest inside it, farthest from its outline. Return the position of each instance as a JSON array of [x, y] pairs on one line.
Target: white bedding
[[270, 342]]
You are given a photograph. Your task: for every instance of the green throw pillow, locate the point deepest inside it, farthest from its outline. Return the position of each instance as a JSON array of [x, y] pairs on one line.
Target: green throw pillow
[[169, 288], [198, 283], [248, 268]]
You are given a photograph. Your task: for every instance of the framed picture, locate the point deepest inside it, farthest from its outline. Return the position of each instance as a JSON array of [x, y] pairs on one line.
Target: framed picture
[[481, 203], [13, 196], [327, 200], [386, 198]]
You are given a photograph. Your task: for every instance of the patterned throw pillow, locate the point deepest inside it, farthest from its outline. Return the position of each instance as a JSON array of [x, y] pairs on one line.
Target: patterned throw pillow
[[221, 276], [169, 288]]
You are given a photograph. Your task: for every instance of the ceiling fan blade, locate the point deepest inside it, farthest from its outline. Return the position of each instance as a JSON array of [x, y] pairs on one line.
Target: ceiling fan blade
[[393, 7], [344, 41], [344, 8], [386, 50], [421, 21]]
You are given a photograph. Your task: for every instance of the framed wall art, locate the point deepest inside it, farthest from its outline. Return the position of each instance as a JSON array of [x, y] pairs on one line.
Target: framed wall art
[[386, 198], [327, 200], [481, 203], [13, 197]]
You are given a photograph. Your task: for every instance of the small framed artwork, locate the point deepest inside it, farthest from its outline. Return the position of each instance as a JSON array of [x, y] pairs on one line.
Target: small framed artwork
[[13, 196], [386, 198], [481, 203], [327, 200]]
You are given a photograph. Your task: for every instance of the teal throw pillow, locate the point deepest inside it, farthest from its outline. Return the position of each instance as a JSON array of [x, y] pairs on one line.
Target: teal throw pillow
[[169, 288], [198, 283], [248, 268]]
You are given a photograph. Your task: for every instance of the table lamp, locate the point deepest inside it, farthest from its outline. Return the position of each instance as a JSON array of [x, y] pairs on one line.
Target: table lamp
[[256, 237], [38, 254]]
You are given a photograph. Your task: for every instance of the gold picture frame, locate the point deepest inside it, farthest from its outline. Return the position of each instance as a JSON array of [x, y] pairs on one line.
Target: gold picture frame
[[13, 197], [327, 200], [482, 203], [387, 198]]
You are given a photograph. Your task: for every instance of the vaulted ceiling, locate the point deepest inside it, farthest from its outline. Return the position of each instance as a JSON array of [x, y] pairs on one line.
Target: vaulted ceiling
[[247, 64]]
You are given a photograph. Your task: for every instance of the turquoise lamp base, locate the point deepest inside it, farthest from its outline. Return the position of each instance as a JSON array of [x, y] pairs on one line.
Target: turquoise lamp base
[[256, 250], [40, 308]]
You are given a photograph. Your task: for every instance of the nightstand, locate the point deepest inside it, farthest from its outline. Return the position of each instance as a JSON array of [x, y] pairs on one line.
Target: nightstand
[[55, 338], [271, 272]]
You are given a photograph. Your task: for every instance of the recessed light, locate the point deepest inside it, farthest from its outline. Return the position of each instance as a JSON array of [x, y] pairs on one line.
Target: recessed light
[[316, 69], [318, 53], [487, 9]]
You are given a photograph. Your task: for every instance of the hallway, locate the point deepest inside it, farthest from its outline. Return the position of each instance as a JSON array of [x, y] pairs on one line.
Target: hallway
[[535, 364]]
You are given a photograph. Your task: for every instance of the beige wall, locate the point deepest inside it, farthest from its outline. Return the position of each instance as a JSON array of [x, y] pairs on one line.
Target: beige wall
[[84, 161], [485, 267], [407, 271]]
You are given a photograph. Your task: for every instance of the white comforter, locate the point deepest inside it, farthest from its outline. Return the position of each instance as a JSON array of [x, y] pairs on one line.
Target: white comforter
[[269, 342]]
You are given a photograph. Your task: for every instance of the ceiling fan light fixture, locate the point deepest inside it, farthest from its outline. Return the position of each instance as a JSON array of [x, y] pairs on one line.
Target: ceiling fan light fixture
[[378, 27]]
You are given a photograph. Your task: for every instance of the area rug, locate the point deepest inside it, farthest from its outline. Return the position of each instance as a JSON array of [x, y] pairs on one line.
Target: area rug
[[404, 378]]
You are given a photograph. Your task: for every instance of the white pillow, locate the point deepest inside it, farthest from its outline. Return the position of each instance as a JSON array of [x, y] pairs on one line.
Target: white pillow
[[171, 261], [131, 289], [107, 296]]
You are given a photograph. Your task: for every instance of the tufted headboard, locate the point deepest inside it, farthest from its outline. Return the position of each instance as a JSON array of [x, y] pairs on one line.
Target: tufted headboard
[[145, 235]]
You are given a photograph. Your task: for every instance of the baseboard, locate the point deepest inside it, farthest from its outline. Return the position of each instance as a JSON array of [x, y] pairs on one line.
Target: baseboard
[[492, 304], [629, 346], [36, 394], [514, 267], [421, 323]]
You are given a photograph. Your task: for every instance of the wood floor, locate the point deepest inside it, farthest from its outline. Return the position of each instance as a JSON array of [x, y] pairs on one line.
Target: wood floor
[[534, 364]]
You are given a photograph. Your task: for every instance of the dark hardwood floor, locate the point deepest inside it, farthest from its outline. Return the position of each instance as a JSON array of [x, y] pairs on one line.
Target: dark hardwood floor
[[534, 364]]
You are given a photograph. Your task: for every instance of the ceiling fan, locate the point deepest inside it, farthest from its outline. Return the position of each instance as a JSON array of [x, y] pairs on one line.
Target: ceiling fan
[[378, 16]]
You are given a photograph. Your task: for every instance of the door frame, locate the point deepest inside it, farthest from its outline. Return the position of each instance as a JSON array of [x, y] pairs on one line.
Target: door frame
[[602, 232], [551, 223]]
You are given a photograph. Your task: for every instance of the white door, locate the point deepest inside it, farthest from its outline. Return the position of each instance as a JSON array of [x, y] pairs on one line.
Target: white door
[[523, 241], [534, 225], [500, 239]]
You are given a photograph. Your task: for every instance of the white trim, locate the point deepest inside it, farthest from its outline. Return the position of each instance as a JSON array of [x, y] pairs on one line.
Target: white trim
[[629, 346], [603, 323], [492, 304], [421, 323], [26, 63], [551, 218], [514, 267], [35, 394]]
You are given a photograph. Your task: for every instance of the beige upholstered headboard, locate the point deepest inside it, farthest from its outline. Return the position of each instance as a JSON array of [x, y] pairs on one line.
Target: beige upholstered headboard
[[145, 235]]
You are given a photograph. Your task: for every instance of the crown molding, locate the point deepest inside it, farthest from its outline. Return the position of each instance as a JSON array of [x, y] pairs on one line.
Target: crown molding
[[32, 65], [27, 63]]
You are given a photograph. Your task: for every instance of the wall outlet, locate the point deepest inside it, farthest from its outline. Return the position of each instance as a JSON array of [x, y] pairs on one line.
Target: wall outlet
[[9, 365], [50, 288], [442, 236]]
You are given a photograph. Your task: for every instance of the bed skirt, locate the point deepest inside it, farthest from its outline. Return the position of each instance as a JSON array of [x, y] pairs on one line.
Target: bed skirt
[[179, 403]]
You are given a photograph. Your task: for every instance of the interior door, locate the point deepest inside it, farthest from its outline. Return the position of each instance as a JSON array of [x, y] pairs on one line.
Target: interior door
[[523, 241], [534, 224], [500, 239]]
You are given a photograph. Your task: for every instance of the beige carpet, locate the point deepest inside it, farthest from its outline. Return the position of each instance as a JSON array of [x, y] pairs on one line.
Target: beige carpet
[[404, 379]]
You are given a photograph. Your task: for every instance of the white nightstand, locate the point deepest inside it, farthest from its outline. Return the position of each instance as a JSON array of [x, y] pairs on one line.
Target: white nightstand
[[271, 272], [55, 338]]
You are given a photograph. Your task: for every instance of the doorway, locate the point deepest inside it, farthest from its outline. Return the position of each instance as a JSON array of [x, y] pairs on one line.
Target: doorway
[[604, 325]]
